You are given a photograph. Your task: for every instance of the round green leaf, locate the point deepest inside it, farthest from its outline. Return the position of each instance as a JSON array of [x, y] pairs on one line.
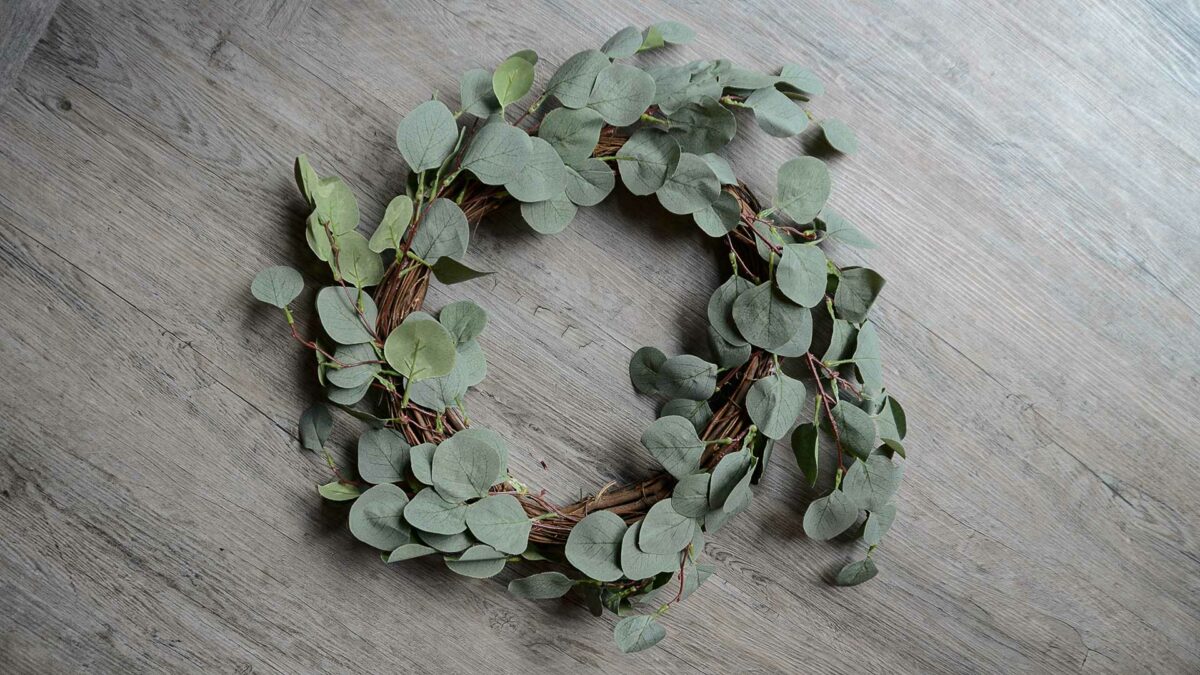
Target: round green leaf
[[594, 545], [464, 320], [692, 187], [697, 412], [856, 292], [879, 521], [551, 216], [382, 456], [350, 375], [674, 32], [726, 475], [336, 307], [702, 126], [421, 461], [572, 133], [338, 491], [478, 562], [390, 233], [624, 44], [500, 522], [866, 357], [408, 552], [427, 135], [839, 136], [636, 564], [543, 586], [690, 496], [336, 206], [838, 229], [799, 344], [803, 187], [420, 349], [766, 318], [470, 363], [646, 160], [347, 397], [720, 217], [492, 439], [800, 80], [687, 376], [448, 543], [664, 530], [807, 448], [774, 402], [870, 484], [277, 286], [635, 633], [720, 166], [777, 114], [355, 262], [727, 355], [644, 367], [429, 512], [497, 153], [543, 177], [801, 274], [856, 573], [856, 428], [829, 516], [572, 83], [589, 182], [621, 93], [720, 308], [464, 467], [475, 94], [376, 517], [442, 231], [512, 80]]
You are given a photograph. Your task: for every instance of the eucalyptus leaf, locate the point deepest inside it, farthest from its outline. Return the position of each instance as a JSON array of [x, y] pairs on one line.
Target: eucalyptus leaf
[[624, 43], [543, 586], [500, 522], [803, 186], [450, 271], [621, 93], [866, 357], [277, 286], [720, 167], [720, 308], [774, 402], [315, 426], [356, 263], [464, 320], [856, 573], [856, 429], [694, 576], [382, 456], [871, 483], [475, 94], [726, 475], [838, 229], [635, 633], [589, 182], [839, 341], [594, 545], [737, 501], [698, 412], [421, 462], [572, 83], [807, 447], [478, 562], [690, 495], [442, 231], [702, 126], [799, 343], [429, 512], [497, 153], [427, 135], [692, 187], [306, 179], [439, 393], [337, 309], [376, 517], [478, 434], [351, 375], [637, 564], [420, 349], [448, 543], [572, 133], [664, 530], [464, 467], [801, 274], [829, 516], [879, 521], [674, 443], [512, 80], [338, 491], [550, 216], [687, 376], [647, 160], [736, 77], [543, 177], [727, 355], [408, 552], [839, 136], [858, 287], [720, 217], [766, 318], [347, 397], [799, 80], [777, 114], [390, 233], [674, 32], [644, 367], [335, 205]]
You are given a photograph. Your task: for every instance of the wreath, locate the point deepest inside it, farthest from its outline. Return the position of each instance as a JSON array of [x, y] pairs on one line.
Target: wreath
[[786, 324]]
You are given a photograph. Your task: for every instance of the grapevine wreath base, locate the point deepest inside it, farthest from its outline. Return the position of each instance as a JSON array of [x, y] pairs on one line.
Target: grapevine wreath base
[[428, 482]]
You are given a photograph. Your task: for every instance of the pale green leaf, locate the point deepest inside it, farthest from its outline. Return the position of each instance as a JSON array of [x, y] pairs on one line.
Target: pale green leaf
[[698, 412], [838, 229], [803, 186], [338, 491], [635, 633], [347, 397], [356, 263], [427, 135], [839, 136], [856, 428], [550, 216], [376, 517], [475, 94], [720, 217], [879, 521], [702, 126], [408, 552], [646, 160], [799, 80], [337, 309], [543, 177], [497, 153], [420, 349], [720, 308], [644, 367], [478, 562], [500, 522], [572, 83], [464, 320], [382, 456], [512, 80], [856, 573], [799, 343], [277, 286], [721, 167], [429, 512], [543, 586], [766, 318], [594, 545], [692, 186], [306, 179], [390, 233], [777, 114], [858, 287], [687, 376], [572, 133], [421, 460], [774, 402], [589, 182], [465, 466], [801, 274], [726, 354], [690, 495], [442, 231], [866, 358], [726, 475], [674, 32], [622, 93], [624, 43], [336, 207], [674, 443], [637, 564], [870, 484], [829, 516], [664, 530], [448, 543]]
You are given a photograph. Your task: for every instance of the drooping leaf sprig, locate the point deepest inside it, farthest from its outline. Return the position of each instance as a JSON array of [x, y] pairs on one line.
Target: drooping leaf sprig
[[790, 336]]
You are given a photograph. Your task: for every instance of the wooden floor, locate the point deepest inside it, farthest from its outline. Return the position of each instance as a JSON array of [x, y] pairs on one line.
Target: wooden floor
[[1031, 175]]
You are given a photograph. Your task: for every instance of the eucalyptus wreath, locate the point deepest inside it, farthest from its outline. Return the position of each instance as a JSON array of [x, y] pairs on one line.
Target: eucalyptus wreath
[[786, 323]]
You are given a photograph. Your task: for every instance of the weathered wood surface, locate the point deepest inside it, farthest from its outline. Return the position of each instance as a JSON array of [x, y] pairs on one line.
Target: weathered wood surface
[[1029, 170]]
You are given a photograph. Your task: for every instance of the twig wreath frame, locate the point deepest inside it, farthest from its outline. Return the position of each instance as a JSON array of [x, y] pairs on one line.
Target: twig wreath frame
[[429, 482]]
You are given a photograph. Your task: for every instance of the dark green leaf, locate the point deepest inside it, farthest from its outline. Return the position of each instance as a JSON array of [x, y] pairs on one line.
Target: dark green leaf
[[870, 484], [726, 475], [878, 523], [315, 426], [698, 412], [450, 271], [720, 308], [856, 428], [644, 367], [807, 447], [725, 354], [448, 543], [702, 126]]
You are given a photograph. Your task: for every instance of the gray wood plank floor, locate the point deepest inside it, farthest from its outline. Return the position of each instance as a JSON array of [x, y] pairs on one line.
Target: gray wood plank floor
[[1029, 169]]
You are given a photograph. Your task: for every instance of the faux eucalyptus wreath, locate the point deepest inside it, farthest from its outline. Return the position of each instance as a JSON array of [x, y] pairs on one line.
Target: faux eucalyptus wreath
[[786, 324]]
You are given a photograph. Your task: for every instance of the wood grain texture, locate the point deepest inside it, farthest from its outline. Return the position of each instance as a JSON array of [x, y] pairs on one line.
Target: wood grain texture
[[1029, 170]]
